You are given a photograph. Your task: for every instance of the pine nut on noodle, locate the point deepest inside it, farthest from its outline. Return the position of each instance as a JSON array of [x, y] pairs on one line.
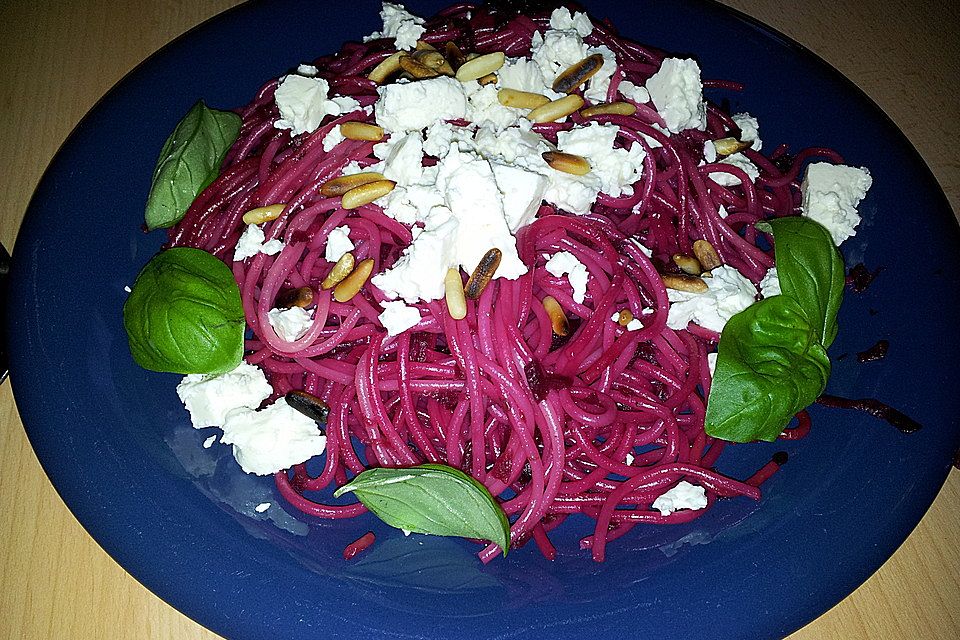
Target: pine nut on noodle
[[351, 285]]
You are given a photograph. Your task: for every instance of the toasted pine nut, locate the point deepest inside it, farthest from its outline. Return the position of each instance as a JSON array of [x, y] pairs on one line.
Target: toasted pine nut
[[687, 264], [416, 68], [610, 108], [566, 162], [521, 99], [483, 273], [433, 59], [453, 289], [625, 317], [684, 282], [361, 131], [340, 271], [366, 193], [301, 297], [339, 186], [308, 404], [490, 78], [729, 146], [707, 255], [424, 46], [386, 68], [558, 319], [578, 73], [263, 214], [480, 66], [454, 55], [350, 286], [556, 109]]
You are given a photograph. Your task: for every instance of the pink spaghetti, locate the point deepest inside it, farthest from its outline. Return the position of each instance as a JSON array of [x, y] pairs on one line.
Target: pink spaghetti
[[546, 424]]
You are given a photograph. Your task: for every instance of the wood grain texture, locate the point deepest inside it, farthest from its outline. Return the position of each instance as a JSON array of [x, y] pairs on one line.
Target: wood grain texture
[[57, 59]]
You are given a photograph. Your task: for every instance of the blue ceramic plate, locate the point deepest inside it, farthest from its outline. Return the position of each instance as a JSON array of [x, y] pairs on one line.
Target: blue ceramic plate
[[119, 449]]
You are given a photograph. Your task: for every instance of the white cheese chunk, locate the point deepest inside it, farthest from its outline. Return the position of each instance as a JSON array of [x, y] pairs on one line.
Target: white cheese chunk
[[402, 157], [749, 129], [210, 398], [728, 293], [712, 363], [209, 442], [398, 317], [635, 92], [412, 106], [251, 243], [307, 70], [677, 94], [400, 24], [522, 193], [562, 19], [770, 284], [263, 506], [303, 104], [830, 195], [290, 324], [332, 139], [564, 263], [483, 107], [683, 496], [338, 243], [615, 168], [273, 439], [419, 272], [739, 161]]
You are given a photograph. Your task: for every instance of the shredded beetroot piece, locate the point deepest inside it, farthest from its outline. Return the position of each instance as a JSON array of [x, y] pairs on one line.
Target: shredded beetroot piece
[[903, 422], [360, 544], [860, 277]]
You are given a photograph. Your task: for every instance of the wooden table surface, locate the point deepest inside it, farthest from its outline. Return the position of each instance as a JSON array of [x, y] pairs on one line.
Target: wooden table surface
[[58, 58]]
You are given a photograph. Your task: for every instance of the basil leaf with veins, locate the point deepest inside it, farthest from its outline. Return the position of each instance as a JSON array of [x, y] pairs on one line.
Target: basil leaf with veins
[[184, 314], [189, 161], [433, 499], [772, 360]]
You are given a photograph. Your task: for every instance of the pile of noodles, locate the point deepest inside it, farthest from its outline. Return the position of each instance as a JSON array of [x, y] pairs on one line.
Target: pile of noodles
[[545, 423]]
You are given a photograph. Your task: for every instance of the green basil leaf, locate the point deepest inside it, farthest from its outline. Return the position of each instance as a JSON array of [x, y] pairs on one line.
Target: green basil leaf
[[184, 314], [770, 365], [433, 499], [811, 271], [189, 161]]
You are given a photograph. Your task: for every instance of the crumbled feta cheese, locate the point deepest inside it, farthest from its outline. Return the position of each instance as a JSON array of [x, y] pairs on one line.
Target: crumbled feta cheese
[[412, 106], [635, 92], [722, 212], [682, 496], [634, 325], [709, 151], [338, 243], [402, 157], [209, 441], [332, 139], [562, 19], [565, 263], [438, 139], [411, 204], [647, 251], [599, 84], [712, 363], [273, 439], [127, 288], [616, 169], [263, 506], [749, 129], [471, 192], [677, 94], [629, 458], [400, 24], [739, 161], [483, 107], [303, 104], [290, 324], [830, 195], [557, 50], [252, 242], [398, 317], [516, 145], [419, 271], [523, 74], [770, 285], [210, 398], [307, 70], [728, 293], [522, 193]]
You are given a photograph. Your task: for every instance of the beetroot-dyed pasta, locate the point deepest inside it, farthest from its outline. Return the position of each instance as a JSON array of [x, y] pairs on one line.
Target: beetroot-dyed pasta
[[546, 424]]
